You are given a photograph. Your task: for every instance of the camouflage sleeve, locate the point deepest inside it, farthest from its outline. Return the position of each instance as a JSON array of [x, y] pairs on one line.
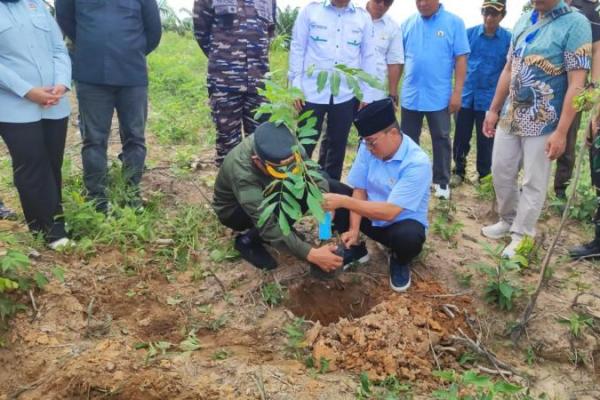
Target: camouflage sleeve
[[203, 20], [273, 26]]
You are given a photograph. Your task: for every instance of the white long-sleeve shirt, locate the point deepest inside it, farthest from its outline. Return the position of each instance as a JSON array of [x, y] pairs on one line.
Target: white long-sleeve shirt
[[389, 49], [325, 36]]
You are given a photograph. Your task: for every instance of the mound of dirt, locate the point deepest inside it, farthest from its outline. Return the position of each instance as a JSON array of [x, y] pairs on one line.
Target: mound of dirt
[[394, 338]]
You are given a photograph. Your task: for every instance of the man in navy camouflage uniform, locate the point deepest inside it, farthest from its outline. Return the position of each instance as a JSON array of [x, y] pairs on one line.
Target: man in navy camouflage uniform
[[235, 36]]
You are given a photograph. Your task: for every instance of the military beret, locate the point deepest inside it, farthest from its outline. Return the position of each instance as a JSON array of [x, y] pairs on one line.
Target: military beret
[[273, 143], [375, 117], [498, 5]]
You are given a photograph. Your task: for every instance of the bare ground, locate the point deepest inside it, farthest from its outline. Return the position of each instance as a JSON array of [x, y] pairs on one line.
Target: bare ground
[[84, 341]]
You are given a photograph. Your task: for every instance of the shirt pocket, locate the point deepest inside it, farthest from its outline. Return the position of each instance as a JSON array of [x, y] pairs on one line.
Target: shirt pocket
[[320, 36], [41, 22]]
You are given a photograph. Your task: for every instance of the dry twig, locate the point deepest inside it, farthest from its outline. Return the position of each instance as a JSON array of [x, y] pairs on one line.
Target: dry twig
[[519, 328]]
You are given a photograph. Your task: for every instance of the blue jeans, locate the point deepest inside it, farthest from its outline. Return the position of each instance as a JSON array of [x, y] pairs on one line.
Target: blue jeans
[[96, 107]]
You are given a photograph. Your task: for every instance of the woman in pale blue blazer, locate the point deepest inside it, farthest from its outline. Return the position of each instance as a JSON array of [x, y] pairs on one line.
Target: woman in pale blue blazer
[[35, 74]]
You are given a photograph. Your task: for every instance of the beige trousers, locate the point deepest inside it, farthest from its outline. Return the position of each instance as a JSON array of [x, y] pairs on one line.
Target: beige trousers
[[520, 208]]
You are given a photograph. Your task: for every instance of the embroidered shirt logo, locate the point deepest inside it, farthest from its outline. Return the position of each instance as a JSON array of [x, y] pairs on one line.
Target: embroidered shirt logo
[[440, 34], [32, 6]]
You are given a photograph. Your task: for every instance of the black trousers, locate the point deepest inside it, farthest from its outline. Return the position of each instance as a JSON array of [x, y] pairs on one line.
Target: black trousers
[[439, 128], [405, 238], [37, 151], [566, 162], [466, 118], [333, 145]]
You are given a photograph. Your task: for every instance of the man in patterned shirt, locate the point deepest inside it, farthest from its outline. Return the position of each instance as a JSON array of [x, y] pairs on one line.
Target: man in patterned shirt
[[235, 36], [547, 66], [566, 162]]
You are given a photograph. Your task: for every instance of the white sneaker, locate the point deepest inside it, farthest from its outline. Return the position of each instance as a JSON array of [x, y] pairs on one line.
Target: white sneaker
[[496, 231], [61, 244], [510, 250], [441, 191]]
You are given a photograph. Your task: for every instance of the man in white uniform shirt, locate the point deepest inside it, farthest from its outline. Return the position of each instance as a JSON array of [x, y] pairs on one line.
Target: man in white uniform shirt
[[389, 48], [326, 34]]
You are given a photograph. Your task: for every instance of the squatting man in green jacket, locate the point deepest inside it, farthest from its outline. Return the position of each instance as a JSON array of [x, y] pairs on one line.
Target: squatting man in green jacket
[[239, 190], [388, 201]]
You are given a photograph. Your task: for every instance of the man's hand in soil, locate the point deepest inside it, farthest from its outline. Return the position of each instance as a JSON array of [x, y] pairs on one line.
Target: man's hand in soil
[[350, 238], [325, 257], [333, 201]]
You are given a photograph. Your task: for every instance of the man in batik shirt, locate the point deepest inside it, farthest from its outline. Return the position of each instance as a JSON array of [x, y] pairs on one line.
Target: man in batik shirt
[[546, 68]]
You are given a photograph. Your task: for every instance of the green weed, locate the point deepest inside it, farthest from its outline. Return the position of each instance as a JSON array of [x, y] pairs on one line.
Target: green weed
[[272, 293], [388, 389]]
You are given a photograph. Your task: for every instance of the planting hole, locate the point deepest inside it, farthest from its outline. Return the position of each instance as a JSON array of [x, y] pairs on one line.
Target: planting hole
[[328, 301]]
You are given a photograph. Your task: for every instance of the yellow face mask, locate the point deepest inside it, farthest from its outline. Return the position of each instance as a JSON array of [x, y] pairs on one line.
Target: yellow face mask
[[276, 173]]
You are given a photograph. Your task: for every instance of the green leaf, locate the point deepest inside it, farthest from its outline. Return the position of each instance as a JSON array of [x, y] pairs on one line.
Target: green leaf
[[307, 141], [59, 274], [473, 378], [297, 191], [14, 260], [283, 223], [314, 205], [190, 344], [365, 384], [7, 284], [40, 279], [335, 83], [506, 290], [291, 212], [446, 375], [506, 388], [264, 216], [321, 81], [354, 86]]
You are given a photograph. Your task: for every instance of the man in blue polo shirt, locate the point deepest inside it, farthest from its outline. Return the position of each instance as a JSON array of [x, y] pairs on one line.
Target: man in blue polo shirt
[[435, 45], [389, 198], [489, 46]]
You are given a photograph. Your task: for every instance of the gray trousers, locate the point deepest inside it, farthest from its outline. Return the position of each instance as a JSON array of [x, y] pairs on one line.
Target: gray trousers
[[439, 127], [97, 104], [520, 208]]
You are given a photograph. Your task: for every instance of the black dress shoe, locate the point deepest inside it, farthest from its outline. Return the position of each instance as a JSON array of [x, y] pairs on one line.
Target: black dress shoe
[[252, 250], [589, 250]]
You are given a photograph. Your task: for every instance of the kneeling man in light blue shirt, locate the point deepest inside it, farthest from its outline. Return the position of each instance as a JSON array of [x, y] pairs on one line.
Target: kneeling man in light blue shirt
[[389, 194]]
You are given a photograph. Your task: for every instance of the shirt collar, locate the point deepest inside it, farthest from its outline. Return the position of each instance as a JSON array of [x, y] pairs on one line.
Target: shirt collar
[[383, 20], [561, 8], [350, 7], [481, 31], [436, 14], [400, 154]]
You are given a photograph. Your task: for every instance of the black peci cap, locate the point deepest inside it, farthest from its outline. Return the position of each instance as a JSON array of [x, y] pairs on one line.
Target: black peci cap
[[273, 143], [375, 117]]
